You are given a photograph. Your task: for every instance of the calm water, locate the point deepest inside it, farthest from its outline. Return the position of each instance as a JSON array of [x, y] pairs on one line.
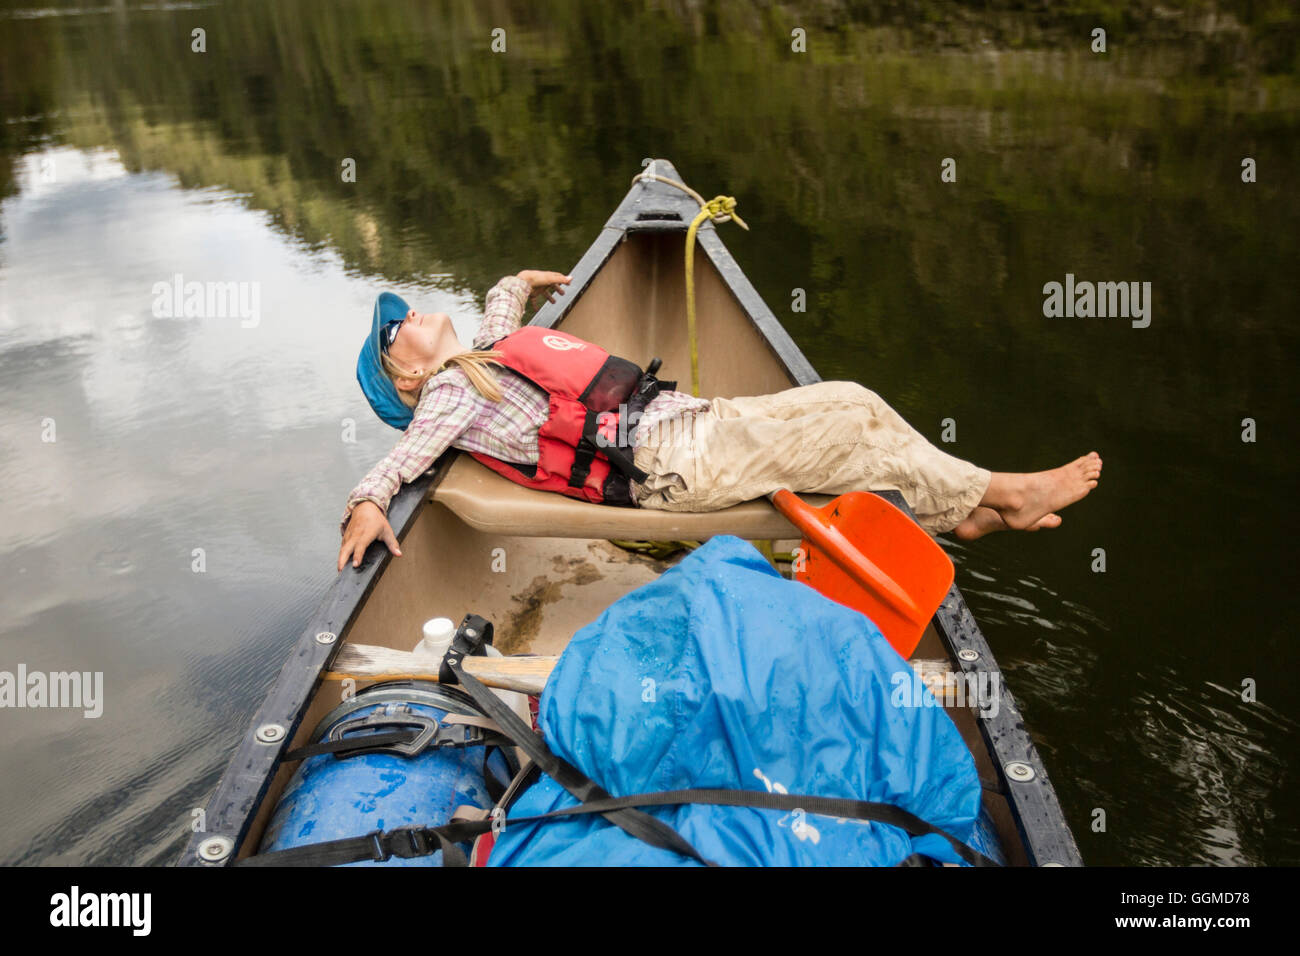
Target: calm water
[[221, 442]]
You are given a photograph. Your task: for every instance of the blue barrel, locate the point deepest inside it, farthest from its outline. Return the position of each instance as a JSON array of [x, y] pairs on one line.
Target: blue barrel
[[332, 798]]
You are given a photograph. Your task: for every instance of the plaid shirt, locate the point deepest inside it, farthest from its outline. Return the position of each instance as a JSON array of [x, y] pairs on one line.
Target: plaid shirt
[[451, 412]]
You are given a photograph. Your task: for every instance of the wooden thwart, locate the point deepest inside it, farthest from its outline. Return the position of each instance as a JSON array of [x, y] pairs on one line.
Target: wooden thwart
[[527, 675], [368, 662]]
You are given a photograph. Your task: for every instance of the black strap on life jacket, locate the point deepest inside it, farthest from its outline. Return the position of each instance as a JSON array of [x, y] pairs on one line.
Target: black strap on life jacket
[[585, 453], [619, 456], [623, 812]]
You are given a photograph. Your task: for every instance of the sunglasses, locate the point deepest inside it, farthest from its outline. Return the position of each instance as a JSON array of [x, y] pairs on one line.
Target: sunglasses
[[388, 332]]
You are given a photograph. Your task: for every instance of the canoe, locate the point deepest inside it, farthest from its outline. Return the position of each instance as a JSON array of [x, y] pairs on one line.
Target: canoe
[[540, 565]]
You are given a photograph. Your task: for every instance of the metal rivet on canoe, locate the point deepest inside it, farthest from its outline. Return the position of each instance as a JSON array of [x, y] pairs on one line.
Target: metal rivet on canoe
[[326, 637], [1019, 771], [270, 733], [470, 632], [215, 849], [968, 654], [1051, 864]]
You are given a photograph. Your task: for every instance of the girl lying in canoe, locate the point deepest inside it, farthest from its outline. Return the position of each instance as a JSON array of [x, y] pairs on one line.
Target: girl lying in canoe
[[686, 453]]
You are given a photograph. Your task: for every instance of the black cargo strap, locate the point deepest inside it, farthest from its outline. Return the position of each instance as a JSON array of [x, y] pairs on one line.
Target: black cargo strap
[[838, 807], [596, 800], [400, 842], [406, 843], [470, 640], [623, 812]]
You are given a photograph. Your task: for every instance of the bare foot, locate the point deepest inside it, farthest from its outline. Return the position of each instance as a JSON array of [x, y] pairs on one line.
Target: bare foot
[[1023, 500], [984, 521]]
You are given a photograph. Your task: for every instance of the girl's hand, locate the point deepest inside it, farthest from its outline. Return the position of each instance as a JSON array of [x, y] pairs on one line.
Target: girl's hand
[[366, 524], [539, 280]]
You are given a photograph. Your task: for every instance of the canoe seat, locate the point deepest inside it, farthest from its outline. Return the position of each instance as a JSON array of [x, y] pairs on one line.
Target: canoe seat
[[489, 503]]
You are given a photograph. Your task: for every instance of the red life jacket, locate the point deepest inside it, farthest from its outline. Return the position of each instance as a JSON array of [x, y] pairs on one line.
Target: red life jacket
[[579, 450]]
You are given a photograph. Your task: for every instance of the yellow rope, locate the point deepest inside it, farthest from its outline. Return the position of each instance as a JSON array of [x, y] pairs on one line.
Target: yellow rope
[[660, 550], [716, 207], [719, 209]]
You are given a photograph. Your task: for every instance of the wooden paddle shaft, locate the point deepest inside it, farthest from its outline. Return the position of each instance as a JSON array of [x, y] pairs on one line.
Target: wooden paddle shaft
[[526, 675], [367, 662]]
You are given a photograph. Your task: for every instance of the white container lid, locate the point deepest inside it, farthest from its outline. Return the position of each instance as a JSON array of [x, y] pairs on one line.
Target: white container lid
[[439, 630], [438, 635]]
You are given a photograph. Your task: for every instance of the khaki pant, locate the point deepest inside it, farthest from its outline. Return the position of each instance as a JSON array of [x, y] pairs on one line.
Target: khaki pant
[[828, 438]]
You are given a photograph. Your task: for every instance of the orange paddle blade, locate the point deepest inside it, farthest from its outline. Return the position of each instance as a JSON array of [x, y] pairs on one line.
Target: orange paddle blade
[[866, 554]]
